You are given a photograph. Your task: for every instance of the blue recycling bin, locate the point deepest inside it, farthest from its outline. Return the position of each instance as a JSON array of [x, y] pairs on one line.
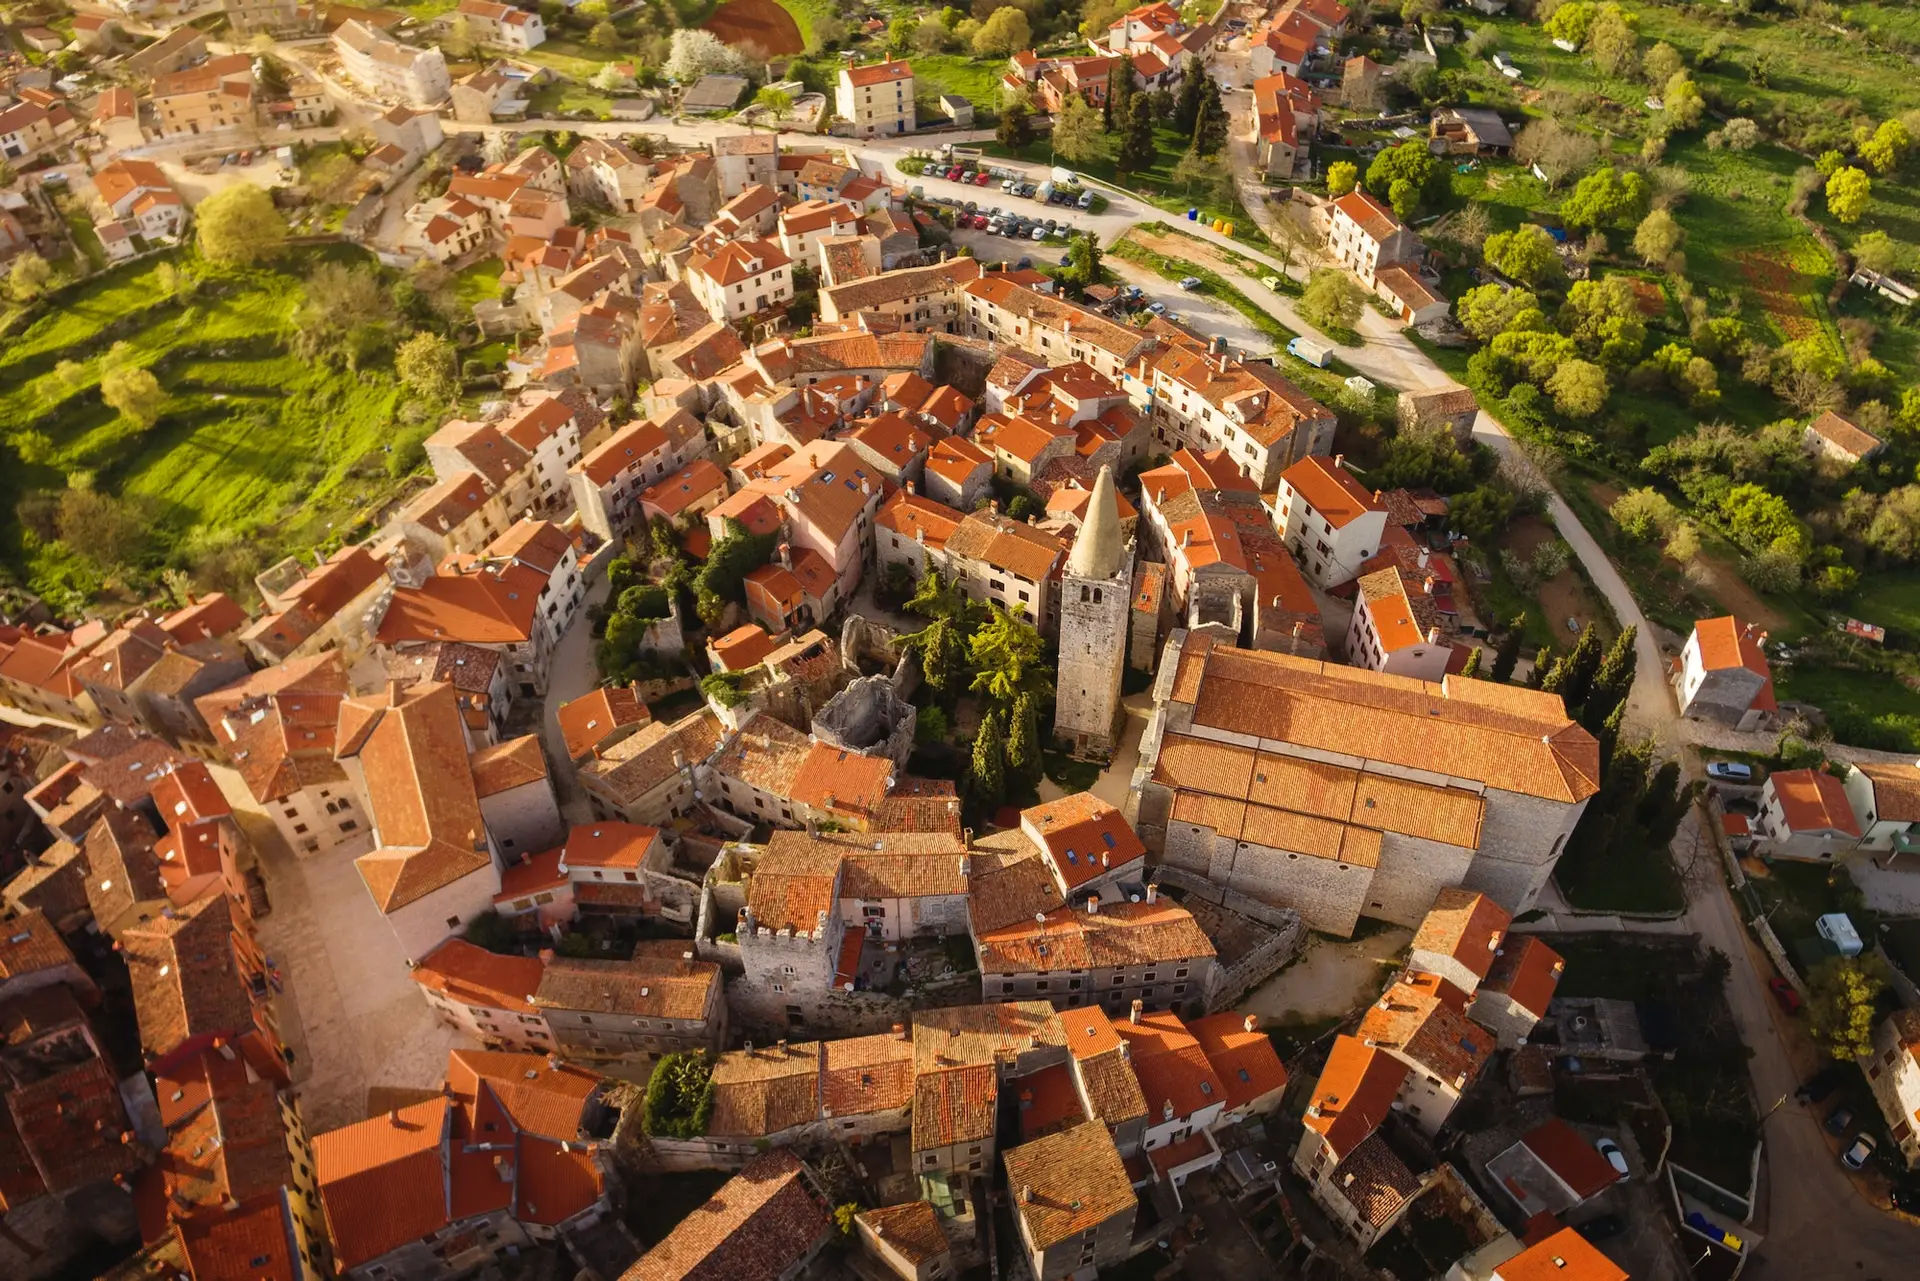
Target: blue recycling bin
[[1193, 215]]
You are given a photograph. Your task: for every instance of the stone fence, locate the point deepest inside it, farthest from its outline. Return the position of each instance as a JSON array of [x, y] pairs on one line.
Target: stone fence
[[1278, 933]]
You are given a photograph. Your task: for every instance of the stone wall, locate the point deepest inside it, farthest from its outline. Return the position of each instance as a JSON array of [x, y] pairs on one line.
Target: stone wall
[[1277, 931], [869, 716], [1412, 872]]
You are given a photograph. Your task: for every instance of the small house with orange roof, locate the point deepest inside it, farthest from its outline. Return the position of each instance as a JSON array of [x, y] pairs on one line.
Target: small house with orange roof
[[1421, 1024], [896, 446], [1563, 1256], [1514, 996], [1349, 1167], [1086, 844], [1185, 1097], [199, 852], [1396, 627], [487, 995], [1332, 523], [600, 718], [1460, 938], [1364, 236], [517, 800], [913, 531], [1244, 1060], [1072, 1202], [1722, 674], [692, 492], [1551, 1169], [741, 649], [957, 473], [1805, 813], [1285, 117], [1841, 439]]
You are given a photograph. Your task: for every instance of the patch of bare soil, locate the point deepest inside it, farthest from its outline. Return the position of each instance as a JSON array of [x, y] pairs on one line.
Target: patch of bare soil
[[1731, 593], [1186, 248]]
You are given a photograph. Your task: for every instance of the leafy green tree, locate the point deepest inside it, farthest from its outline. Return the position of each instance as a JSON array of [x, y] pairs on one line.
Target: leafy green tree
[[1005, 32], [942, 643], [1008, 658], [426, 363], [1847, 194], [1471, 667], [135, 393], [931, 726], [29, 277], [1015, 127], [1409, 162], [1846, 993], [1888, 145], [1331, 299], [1657, 237], [1579, 388], [1342, 176], [1508, 655], [679, 1099], [1076, 131], [1829, 163], [1527, 254], [239, 226], [986, 775], [1660, 63], [1543, 662], [737, 553], [1603, 319], [1644, 514], [1483, 512], [1879, 252], [1612, 42], [1683, 104], [1757, 519], [777, 103], [1605, 198], [1083, 262], [1488, 310], [1404, 197], [1571, 22], [110, 534]]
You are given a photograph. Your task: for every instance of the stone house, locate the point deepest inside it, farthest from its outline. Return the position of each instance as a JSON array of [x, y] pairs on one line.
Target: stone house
[[1722, 674]]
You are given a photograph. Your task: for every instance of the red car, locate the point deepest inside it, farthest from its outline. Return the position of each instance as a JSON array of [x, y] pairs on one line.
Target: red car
[[1783, 992], [983, 179], [953, 174]]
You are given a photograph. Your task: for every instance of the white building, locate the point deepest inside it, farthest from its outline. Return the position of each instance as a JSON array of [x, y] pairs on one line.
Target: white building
[[503, 25], [1722, 674], [1396, 628], [740, 279], [1365, 236], [416, 76], [877, 99], [1332, 523]]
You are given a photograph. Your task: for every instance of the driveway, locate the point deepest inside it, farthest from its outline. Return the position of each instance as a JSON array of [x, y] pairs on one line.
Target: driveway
[[1196, 310], [570, 674], [352, 1015]]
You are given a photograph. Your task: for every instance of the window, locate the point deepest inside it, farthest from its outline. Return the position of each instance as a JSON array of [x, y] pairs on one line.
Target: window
[[453, 922], [1180, 974], [779, 987], [348, 826]]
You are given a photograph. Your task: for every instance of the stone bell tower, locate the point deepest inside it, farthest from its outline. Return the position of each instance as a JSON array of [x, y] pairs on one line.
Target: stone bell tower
[[1094, 600]]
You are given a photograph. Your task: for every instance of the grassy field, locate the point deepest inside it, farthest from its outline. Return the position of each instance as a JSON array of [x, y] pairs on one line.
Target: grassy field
[[1864, 708], [975, 79], [253, 442], [806, 11]]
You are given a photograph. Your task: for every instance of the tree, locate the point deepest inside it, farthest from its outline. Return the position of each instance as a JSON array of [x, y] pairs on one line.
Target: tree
[[679, 1098], [1005, 32], [604, 35], [1009, 659], [1411, 162], [932, 36], [900, 34], [1879, 252], [1657, 237], [1331, 299], [1612, 682], [1660, 63], [1076, 131], [1471, 667], [1603, 318], [1023, 739], [1482, 42], [1119, 90], [1186, 108], [457, 41], [1579, 388], [1557, 151], [1210, 126], [1571, 22], [942, 644], [426, 363], [1612, 42], [1508, 655], [986, 775], [1572, 676], [108, 533], [1847, 194], [239, 226], [1644, 514], [1083, 262], [1419, 13], [1193, 168], [1486, 311], [1740, 134], [1542, 668], [737, 553], [777, 103], [1342, 176], [29, 278], [1605, 198], [1886, 147], [698, 53], [135, 393], [609, 79], [1137, 151], [343, 311], [1527, 254], [1683, 105], [1846, 992], [1015, 129], [1404, 197], [1758, 520]]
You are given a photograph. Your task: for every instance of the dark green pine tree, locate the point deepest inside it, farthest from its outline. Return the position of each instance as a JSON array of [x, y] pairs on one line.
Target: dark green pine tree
[[1612, 683], [1186, 107], [1582, 663], [1609, 734], [1119, 90], [1023, 740], [1136, 143], [1210, 126], [1508, 655], [1542, 664], [987, 779]]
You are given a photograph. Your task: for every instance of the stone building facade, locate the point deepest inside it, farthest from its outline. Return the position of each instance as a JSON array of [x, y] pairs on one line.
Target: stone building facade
[[1095, 603]]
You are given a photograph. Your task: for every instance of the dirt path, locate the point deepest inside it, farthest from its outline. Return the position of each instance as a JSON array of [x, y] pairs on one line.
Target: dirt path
[[1333, 978]]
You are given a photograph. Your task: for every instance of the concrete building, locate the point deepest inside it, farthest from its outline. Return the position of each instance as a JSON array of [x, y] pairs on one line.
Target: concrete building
[[629, 1013], [1894, 1074], [1205, 400], [1332, 523], [1414, 787], [487, 995], [417, 77], [877, 99], [1349, 1168], [1885, 798], [1722, 674], [1805, 813], [1396, 629], [1110, 955], [1095, 598], [1364, 236]]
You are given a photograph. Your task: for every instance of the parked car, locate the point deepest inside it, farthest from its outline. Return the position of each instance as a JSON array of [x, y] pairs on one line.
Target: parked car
[[982, 179], [1816, 1088], [1601, 1228], [1157, 308], [1615, 1157], [1856, 1156], [1191, 282], [1009, 185], [1840, 1120], [1086, 200], [1039, 233], [1730, 771], [1783, 992], [1271, 282]]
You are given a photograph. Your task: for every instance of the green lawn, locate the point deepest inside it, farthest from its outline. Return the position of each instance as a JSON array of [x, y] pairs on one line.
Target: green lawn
[[565, 97], [253, 441], [1864, 708], [1795, 895], [480, 282], [570, 57], [975, 79], [805, 12]]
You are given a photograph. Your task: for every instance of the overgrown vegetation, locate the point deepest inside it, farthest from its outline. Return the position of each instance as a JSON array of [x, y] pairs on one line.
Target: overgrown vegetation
[[679, 1101]]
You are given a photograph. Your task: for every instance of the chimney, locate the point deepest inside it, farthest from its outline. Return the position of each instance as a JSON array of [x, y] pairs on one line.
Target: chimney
[[1133, 1011], [909, 489], [1166, 1110], [900, 1032], [993, 505], [786, 556], [1153, 892], [1186, 538], [1159, 495], [1026, 1194], [1339, 460], [1250, 1024], [1433, 635], [393, 1116], [1093, 905], [553, 1062]]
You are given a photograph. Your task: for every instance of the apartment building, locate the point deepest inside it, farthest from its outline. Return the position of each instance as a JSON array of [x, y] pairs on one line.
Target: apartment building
[[503, 25], [921, 299], [1106, 954], [1205, 400], [741, 279], [607, 482], [877, 99], [1004, 312], [218, 94], [1365, 236], [417, 77], [1332, 523], [1396, 628]]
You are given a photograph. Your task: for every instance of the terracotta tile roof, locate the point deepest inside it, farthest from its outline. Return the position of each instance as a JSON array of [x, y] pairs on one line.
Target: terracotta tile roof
[[1084, 836], [1896, 791], [953, 1105], [609, 844], [226, 1141], [866, 1074], [124, 881], [758, 1227], [899, 286], [1043, 310], [901, 865], [766, 754], [1401, 618], [1564, 1256], [1355, 1091], [793, 886], [187, 975], [500, 767], [1009, 889], [1375, 1181], [765, 1091], [1528, 971], [1068, 1183], [644, 986], [531, 874], [634, 767], [1006, 544], [486, 605], [1244, 1060], [420, 792], [1419, 1024], [743, 647], [474, 976], [468, 668], [277, 726], [1465, 925], [587, 721], [1171, 1066], [1848, 436], [61, 1133], [1331, 490], [919, 805], [956, 458], [1813, 801], [1509, 738], [1122, 935], [912, 1230], [1375, 219], [878, 73], [834, 780], [253, 1240], [365, 1172], [1726, 643], [689, 485]]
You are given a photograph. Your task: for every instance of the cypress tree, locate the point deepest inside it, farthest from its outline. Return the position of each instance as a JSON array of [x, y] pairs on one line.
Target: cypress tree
[[1023, 739], [1508, 655], [1609, 735], [1472, 666], [1542, 664], [1119, 90], [987, 780], [1612, 682], [1186, 108], [1582, 663]]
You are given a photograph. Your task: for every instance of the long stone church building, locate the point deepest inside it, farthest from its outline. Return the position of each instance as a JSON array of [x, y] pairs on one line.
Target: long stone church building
[[1344, 793]]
